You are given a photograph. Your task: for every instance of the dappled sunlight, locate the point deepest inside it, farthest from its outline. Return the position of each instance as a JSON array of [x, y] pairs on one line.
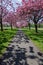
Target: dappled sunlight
[[21, 32], [20, 52]]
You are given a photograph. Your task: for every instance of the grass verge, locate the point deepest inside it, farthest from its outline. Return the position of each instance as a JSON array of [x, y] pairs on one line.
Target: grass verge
[[5, 37], [37, 38]]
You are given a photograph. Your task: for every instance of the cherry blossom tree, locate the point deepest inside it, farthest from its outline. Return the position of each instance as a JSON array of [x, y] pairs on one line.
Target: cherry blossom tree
[[29, 10], [32, 8], [3, 10], [10, 18]]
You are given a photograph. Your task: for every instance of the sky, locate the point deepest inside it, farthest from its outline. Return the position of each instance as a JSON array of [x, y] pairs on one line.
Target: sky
[[16, 1], [14, 4]]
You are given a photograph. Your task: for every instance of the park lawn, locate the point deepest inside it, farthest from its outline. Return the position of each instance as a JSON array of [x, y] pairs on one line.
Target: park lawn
[[36, 38], [5, 38]]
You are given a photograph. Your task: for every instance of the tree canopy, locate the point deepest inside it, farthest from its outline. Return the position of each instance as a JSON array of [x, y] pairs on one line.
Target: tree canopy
[[29, 10]]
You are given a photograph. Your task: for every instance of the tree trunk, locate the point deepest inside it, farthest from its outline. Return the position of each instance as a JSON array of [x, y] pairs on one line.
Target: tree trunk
[[1, 24], [1, 16], [11, 26], [36, 27], [29, 26]]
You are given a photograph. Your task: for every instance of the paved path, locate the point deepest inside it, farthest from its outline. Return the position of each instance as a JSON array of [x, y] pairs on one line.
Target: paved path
[[21, 51]]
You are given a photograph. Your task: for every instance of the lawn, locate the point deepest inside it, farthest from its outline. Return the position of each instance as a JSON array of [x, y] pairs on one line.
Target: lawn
[[37, 39], [5, 38]]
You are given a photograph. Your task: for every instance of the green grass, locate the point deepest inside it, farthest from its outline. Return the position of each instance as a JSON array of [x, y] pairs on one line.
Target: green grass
[[41, 25], [5, 38], [37, 39]]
